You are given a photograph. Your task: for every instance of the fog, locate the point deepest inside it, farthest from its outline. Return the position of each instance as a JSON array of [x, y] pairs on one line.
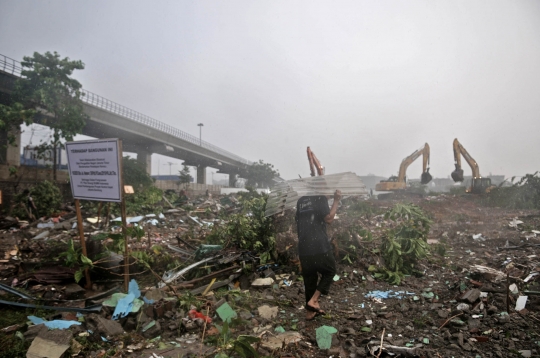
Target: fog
[[364, 83]]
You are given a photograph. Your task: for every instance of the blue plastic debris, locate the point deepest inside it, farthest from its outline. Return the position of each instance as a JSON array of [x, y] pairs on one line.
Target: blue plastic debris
[[124, 306], [56, 324], [133, 288], [147, 301], [387, 294]]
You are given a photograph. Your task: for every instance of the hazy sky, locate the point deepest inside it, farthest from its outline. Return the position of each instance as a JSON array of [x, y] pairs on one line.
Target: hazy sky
[[364, 83]]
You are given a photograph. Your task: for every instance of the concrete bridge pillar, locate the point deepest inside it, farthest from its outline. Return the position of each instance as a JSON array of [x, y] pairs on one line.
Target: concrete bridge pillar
[[13, 153], [145, 159], [232, 179], [201, 174]]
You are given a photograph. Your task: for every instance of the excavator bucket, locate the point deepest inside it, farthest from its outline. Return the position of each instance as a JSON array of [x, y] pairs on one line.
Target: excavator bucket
[[457, 174], [425, 177]]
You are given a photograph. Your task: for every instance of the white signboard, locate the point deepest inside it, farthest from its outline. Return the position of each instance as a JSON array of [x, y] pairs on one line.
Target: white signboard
[[94, 169]]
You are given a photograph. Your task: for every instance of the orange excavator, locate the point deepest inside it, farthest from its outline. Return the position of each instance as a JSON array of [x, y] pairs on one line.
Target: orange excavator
[[479, 185], [399, 182], [314, 163]]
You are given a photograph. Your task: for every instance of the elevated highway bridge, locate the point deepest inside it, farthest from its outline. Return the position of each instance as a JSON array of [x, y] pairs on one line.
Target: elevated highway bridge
[[139, 133]]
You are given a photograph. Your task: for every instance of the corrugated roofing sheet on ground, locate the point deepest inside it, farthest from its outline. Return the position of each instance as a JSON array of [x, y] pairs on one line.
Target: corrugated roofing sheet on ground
[[285, 194]]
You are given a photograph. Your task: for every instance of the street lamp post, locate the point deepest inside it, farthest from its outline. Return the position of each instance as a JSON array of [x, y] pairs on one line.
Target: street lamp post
[[200, 133]]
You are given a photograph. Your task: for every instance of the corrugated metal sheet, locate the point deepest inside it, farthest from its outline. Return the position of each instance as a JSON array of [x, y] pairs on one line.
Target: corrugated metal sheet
[[285, 194]]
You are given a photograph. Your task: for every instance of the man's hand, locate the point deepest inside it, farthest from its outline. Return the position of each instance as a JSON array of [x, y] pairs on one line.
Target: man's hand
[[337, 195], [330, 217]]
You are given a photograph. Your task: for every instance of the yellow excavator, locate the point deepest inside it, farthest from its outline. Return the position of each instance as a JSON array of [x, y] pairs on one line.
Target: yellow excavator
[[314, 163], [399, 182], [479, 185]]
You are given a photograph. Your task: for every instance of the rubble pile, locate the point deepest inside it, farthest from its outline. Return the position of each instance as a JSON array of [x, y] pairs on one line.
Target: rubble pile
[[476, 294]]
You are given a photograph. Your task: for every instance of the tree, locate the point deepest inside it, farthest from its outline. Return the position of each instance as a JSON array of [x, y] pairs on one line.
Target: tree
[[135, 174], [261, 174], [46, 85], [185, 177]]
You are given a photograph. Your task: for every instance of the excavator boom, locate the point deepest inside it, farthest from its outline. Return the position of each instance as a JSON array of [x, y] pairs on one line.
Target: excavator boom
[[459, 150], [399, 182], [314, 163]]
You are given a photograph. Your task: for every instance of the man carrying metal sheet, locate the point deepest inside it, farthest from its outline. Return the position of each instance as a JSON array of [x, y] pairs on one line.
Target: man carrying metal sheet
[[314, 248]]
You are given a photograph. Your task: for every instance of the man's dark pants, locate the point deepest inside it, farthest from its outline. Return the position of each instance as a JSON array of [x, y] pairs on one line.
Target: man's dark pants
[[325, 264]]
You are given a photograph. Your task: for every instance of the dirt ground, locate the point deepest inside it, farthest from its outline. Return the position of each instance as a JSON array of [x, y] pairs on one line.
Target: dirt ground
[[436, 314]]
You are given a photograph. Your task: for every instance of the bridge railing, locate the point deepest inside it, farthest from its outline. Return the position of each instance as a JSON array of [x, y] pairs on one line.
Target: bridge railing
[[14, 67]]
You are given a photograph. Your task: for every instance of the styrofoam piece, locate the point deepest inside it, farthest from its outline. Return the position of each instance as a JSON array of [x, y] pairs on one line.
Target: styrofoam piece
[[521, 302]]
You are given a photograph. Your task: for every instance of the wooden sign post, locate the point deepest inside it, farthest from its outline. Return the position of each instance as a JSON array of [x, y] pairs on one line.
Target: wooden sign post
[[95, 169]]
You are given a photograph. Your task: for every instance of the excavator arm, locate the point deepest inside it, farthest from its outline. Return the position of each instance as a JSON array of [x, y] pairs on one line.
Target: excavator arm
[[314, 163], [424, 151], [395, 183], [459, 150]]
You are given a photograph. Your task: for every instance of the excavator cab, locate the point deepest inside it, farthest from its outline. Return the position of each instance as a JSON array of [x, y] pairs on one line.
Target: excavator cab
[[480, 185], [400, 182]]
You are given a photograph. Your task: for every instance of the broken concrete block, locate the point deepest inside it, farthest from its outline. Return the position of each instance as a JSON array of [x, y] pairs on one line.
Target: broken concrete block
[[277, 341], [74, 291], [269, 273], [33, 331], [106, 328], [151, 330], [154, 294], [471, 296], [50, 344], [268, 312], [263, 282]]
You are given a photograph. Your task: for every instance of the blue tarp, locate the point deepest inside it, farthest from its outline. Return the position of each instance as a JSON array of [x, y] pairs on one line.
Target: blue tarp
[[387, 294]]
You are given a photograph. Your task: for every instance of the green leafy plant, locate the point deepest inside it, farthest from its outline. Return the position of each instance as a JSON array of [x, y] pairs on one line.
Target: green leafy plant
[[406, 243], [46, 197], [74, 258], [248, 230], [240, 345], [522, 194]]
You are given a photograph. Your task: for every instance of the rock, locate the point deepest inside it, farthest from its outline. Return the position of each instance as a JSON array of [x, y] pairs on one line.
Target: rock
[[151, 330], [263, 282], [277, 341], [471, 296], [463, 307], [33, 331], [457, 322], [442, 313], [154, 294], [246, 315], [473, 324], [74, 291], [268, 312], [130, 324], [105, 327], [244, 282], [460, 339], [492, 309]]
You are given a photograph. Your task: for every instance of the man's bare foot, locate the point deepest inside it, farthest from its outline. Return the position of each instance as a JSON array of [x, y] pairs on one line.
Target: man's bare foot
[[314, 304], [310, 315]]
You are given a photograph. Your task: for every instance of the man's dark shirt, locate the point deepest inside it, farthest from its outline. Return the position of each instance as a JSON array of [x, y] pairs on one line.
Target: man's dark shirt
[[310, 214]]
